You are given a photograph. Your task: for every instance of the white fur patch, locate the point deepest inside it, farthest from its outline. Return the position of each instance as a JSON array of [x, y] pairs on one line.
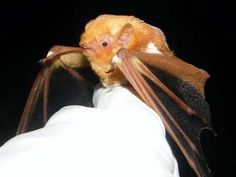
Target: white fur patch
[[50, 53], [152, 49], [116, 59]]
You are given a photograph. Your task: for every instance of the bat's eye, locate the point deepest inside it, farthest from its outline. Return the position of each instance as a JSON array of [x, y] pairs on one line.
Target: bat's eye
[[106, 40], [104, 44]]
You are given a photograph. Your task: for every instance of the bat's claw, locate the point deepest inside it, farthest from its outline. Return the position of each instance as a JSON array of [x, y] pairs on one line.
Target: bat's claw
[[44, 60], [123, 53], [48, 59]]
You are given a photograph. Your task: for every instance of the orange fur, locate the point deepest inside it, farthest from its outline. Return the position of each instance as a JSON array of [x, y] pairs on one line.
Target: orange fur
[[111, 26]]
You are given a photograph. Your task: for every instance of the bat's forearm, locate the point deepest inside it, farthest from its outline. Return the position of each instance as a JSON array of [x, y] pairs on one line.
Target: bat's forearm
[[176, 67], [172, 65]]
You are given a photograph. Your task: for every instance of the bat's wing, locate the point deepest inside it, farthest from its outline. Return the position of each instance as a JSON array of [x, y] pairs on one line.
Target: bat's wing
[[175, 90], [57, 84]]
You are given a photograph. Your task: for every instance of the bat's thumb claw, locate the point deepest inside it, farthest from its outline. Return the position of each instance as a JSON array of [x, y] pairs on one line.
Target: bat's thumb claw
[[45, 60], [49, 56], [122, 53], [42, 61]]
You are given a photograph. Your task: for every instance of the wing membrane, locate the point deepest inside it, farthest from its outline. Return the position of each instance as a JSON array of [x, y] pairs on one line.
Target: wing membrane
[[32, 99], [183, 120], [57, 84]]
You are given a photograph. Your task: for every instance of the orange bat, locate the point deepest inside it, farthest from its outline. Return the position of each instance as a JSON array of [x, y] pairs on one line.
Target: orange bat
[[124, 50]]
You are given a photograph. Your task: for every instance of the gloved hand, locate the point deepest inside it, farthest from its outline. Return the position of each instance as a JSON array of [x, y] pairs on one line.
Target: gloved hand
[[120, 137]]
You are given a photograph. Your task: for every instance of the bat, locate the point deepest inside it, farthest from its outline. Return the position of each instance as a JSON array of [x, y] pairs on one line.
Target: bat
[[124, 50]]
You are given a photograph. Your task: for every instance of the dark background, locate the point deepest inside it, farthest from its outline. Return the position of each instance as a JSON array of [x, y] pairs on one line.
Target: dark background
[[200, 32]]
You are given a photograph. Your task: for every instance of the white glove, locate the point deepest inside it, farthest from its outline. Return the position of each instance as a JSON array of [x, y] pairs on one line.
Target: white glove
[[120, 137]]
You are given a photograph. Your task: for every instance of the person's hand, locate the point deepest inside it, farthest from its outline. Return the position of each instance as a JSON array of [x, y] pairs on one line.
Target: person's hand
[[121, 136]]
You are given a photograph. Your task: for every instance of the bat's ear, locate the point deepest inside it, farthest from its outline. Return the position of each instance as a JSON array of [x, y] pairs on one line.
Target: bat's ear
[[126, 34]]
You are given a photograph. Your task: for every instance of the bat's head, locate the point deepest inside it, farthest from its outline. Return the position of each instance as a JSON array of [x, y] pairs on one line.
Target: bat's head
[[103, 37], [106, 34]]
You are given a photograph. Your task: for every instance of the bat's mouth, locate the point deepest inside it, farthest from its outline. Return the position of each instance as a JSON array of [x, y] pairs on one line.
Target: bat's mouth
[[112, 69]]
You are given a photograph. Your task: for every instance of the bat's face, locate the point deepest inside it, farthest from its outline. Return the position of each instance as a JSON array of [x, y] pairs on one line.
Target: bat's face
[[100, 51], [100, 43]]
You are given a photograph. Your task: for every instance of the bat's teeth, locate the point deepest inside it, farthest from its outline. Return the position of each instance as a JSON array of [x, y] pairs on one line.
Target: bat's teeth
[[116, 59], [50, 53]]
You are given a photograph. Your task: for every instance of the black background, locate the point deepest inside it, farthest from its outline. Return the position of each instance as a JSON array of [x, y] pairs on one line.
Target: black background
[[200, 32]]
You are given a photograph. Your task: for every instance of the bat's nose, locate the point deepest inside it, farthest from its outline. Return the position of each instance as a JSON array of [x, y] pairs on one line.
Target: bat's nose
[[86, 49], [84, 46]]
